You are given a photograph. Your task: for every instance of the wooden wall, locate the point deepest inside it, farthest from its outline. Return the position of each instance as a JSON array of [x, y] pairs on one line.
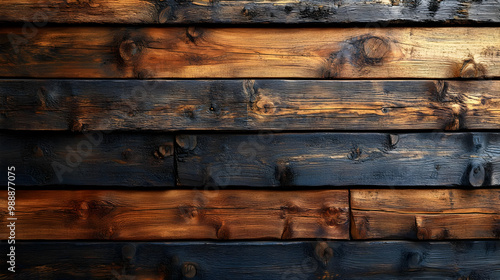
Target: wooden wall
[[160, 139]]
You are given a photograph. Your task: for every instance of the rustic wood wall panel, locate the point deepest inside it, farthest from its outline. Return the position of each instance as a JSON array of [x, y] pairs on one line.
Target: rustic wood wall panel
[[338, 159], [260, 260], [88, 158], [425, 214], [234, 12], [109, 52], [249, 104], [359, 98], [181, 214]]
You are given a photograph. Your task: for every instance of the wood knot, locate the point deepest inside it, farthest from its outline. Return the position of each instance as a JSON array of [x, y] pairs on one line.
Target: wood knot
[[127, 154], [423, 233], [375, 48], [186, 142], [188, 212], [413, 259], [265, 106], [164, 151], [193, 33], [83, 210], [477, 175], [471, 69], [188, 270], [128, 252], [165, 15], [222, 231], [289, 209], [76, 126], [128, 49], [37, 151], [284, 173], [323, 252], [334, 216]]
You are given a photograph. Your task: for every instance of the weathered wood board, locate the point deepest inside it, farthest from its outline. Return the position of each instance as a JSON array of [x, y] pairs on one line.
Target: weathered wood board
[[113, 52], [425, 214], [88, 158], [180, 214], [257, 260], [170, 105], [237, 12], [338, 159]]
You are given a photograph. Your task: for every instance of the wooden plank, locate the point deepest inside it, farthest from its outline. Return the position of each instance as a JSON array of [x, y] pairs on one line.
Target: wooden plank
[[88, 158], [249, 104], [267, 11], [338, 159], [425, 214], [112, 52], [180, 214], [256, 260]]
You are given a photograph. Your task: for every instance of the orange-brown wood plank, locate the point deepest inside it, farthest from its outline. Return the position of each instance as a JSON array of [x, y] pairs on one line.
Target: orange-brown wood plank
[[247, 11], [249, 104], [112, 52], [179, 214], [425, 214]]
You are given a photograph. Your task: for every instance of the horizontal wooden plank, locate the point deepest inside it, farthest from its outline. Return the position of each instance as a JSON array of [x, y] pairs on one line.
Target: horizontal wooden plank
[[338, 159], [170, 105], [226, 11], [425, 214], [88, 158], [180, 214], [256, 260], [112, 52]]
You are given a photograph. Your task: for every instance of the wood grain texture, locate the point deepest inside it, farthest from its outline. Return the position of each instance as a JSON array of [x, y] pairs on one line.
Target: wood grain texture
[[257, 260], [171, 105], [425, 214], [226, 11], [338, 159], [111, 52], [88, 158], [180, 214]]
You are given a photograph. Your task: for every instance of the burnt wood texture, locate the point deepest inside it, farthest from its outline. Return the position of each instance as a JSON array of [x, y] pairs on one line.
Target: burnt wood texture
[[265, 139], [254, 12], [88, 158], [181, 214], [177, 105], [258, 260], [338, 159], [191, 52]]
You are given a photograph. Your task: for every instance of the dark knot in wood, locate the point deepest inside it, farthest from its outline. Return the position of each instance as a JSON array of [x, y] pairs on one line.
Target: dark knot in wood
[[186, 142], [128, 49], [476, 175], [128, 252], [323, 252], [188, 270], [375, 48]]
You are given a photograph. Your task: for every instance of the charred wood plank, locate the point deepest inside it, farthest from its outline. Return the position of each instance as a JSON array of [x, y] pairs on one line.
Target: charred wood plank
[[91, 158], [338, 159], [170, 105], [256, 260]]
